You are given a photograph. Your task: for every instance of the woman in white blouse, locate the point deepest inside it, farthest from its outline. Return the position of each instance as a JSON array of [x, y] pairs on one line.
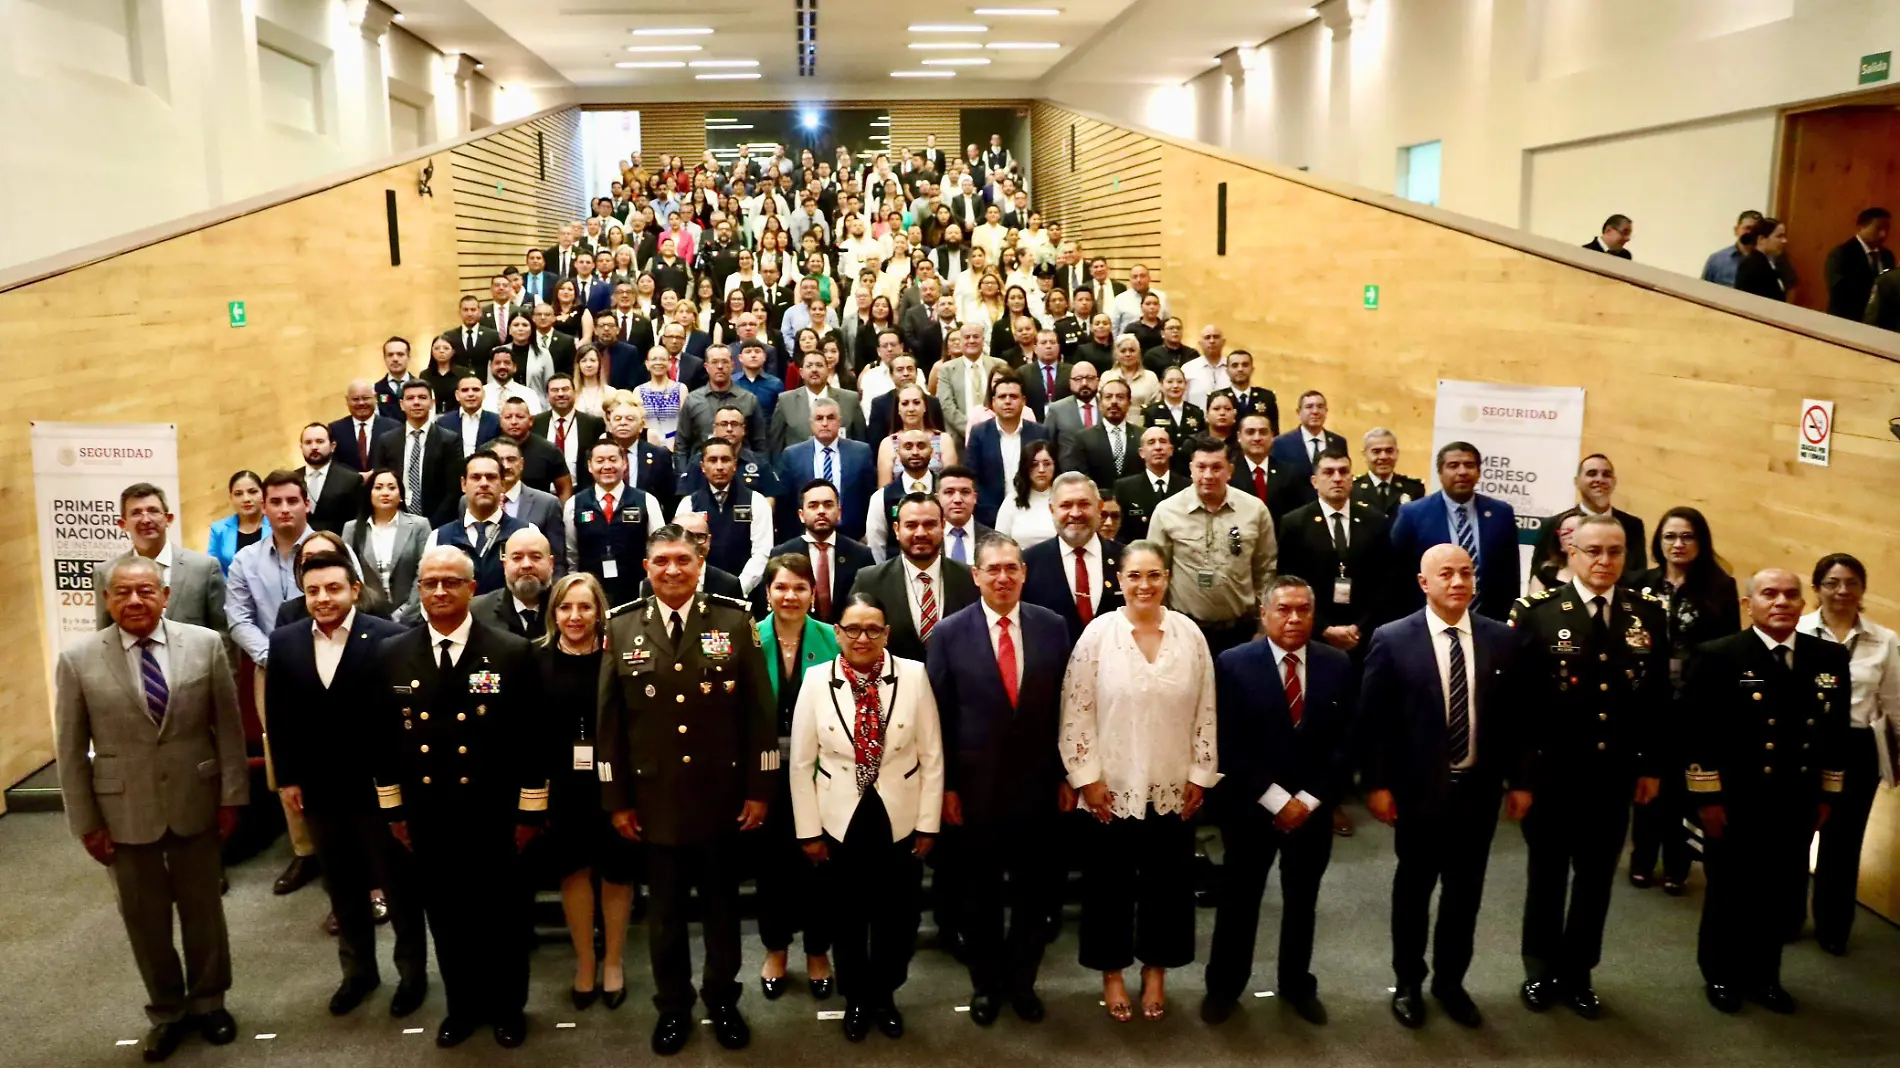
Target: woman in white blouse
[[1840, 582], [1138, 740], [1025, 514], [389, 542]]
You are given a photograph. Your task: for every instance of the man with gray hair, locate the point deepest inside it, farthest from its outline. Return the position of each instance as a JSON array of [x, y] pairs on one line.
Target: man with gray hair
[[1382, 486], [152, 769], [1074, 573]]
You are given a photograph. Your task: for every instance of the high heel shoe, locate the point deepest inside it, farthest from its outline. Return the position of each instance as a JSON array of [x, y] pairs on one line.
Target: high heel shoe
[[1119, 1009], [1153, 1010], [583, 998], [613, 999], [821, 988], [773, 988]]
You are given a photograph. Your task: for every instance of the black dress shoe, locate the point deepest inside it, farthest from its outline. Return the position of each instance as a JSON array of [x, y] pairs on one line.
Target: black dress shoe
[[773, 989], [454, 1031], [512, 1031], [220, 1029], [583, 998], [890, 1022], [1216, 1011], [822, 988], [1642, 880], [1675, 887], [1310, 1009], [671, 1033], [1459, 1006], [350, 995], [984, 1009], [1028, 1007], [613, 999], [408, 998], [1583, 1000], [730, 1028], [1725, 998], [1539, 994], [301, 873], [1408, 1005], [857, 1022], [163, 1040], [1836, 947], [1775, 999], [951, 942]]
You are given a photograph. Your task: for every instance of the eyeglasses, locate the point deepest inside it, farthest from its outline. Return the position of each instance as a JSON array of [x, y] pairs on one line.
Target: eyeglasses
[[1682, 537], [443, 583], [1834, 584], [863, 633], [1002, 570]]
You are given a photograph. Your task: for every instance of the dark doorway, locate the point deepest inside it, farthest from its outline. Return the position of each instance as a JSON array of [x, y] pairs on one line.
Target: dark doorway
[[1834, 162], [975, 125]]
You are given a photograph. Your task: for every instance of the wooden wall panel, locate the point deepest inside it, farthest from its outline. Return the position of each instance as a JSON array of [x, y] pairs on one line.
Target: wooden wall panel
[[1107, 195], [912, 120], [513, 190], [679, 128], [159, 349]]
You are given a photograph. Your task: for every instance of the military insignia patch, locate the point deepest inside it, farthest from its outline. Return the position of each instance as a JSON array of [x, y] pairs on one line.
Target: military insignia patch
[[484, 682], [715, 643], [1826, 682], [1637, 639]]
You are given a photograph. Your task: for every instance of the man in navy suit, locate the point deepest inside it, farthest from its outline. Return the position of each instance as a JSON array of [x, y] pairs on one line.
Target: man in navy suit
[[835, 559], [996, 668], [1485, 527], [829, 455], [473, 426], [1441, 744], [1298, 449], [355, 432], [1284, 706], [992, 440], [1074, 573]]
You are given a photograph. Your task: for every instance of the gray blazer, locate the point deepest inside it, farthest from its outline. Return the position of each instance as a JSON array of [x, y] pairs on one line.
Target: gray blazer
[[957, 407], [1065, 417], [791, 420], [412, 536], [140, 779], [197, 590]]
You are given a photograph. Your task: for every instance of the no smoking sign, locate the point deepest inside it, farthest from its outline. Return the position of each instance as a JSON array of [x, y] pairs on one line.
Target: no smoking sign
[[1817, 432]]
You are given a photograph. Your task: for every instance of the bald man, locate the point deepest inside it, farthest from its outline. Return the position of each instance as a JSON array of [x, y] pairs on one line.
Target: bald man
[[520, 607], [1443, 748], [354, 432]]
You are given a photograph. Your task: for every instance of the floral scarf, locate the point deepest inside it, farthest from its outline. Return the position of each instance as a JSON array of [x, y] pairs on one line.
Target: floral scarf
[[867, 735]]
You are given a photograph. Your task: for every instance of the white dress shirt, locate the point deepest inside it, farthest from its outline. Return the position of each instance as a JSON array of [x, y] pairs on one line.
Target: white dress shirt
[[329, 647], [571, 450], [494, 393], [1326, 514], [135, 657], [1307, 441], [1276, 796], [1204, 378], [457, 638], [313, 479], [1015, 618], [471, 432], [1031, 525], [1875, 665], [1441, 652], [1011, 445], [913, 589]]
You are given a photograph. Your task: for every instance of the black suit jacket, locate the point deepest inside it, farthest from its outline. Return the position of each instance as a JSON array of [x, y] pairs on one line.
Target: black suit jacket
[[1761, 738], [1087, 451], [1283, 485], [1000, 759], [318, 733], [1050, 582], [1138, 498], [886, 581], [1307, 550], [590, 428], [1636, 558], [1260, 746], [441, 467], [496, 608], [1030, 375], [1850, 278], [1405, 491], [341, 499], [848, 557], [486, 342], [343, 433], [878, 424]]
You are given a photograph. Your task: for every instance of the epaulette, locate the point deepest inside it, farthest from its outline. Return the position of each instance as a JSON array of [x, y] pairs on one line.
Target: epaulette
[[630, 606], [1531, 599], [1653, 597], [730, 602]]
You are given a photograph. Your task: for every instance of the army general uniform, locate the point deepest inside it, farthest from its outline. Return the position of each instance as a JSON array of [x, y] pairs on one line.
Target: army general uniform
[[688, 734], [456, 761], [1593, 676], [1766, 737]]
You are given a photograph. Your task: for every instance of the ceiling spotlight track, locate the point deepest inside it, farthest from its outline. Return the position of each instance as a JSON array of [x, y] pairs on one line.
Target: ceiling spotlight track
[[805, 24]]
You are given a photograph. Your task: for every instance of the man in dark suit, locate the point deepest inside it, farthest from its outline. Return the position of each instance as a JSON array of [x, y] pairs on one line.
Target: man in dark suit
[[473, 426], [1285, 707], [1075, 573], [1458, 514], [1343, 549], [520, 606], [427, 458], [321, 691], [1298, 449], [474, 338], [1262, 474], [480, 527], [1596, 481], [1102, 288], [827, 454], [1382, 486], [984, 454], [1614, 239], [354, 434], [388, 388], [920, 587], [835, 558], [461, 784], [929, 337], [1442, 742], [335, 491], [559, 347], [500, 310], [1045, 377], [569, 430], [1854, 265], [560, 256], [1154, 482], [996, 669], [882, 421]]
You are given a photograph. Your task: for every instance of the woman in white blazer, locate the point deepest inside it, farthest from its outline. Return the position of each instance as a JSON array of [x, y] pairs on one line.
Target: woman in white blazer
[[866, 779]]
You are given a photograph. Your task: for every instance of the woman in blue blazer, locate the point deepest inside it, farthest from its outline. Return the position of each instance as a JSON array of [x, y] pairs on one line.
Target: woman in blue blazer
[[788, 899], [245, 525]]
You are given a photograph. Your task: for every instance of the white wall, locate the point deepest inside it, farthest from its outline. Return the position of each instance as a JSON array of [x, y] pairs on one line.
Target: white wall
[[131, 113]]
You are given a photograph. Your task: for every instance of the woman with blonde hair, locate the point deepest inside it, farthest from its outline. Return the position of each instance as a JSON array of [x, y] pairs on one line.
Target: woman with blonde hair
[[590, 381]]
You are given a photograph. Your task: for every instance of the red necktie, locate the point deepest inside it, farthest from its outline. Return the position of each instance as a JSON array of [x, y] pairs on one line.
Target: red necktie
[[362, 447], [560, 433], [1260, 483], [1006, 660], [1049, 380], [927, 610], [1088, 416], [1084, 607], [1295, 697], [821, 569], [607, 506]]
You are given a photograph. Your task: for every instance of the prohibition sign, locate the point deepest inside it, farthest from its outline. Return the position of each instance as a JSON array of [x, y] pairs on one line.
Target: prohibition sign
[[1814, 424]]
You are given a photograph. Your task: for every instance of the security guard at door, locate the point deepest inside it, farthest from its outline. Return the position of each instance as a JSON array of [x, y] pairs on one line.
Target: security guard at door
[[690, 755], [1593, 673]]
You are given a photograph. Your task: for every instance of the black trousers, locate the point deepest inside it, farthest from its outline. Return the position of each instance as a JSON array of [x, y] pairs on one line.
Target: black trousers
[[947, 901], [359, 854], [874, 886], [1138, 893], [1575, 833], [1015, 867], [1758, 872], [1451, 846], [1837, 869], [788, 899], [1252, 843], [1657, 829], [674, 872], [478, 910]]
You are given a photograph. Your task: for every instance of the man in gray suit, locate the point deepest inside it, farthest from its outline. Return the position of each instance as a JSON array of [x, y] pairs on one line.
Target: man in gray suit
[[196, 580], [1068, 416], [791, 420], [152, 768], [963, 379]]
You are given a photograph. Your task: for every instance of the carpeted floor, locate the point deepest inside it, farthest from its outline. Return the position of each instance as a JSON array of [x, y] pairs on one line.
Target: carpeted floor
[[72, 993]]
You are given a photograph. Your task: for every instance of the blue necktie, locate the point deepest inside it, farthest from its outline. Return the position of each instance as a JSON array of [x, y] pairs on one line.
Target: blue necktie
[[156, 692], [1467, 538], [956, 546], [828, 469]]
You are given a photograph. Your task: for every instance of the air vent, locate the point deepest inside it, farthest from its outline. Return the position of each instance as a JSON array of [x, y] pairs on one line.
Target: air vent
[[807, 32]]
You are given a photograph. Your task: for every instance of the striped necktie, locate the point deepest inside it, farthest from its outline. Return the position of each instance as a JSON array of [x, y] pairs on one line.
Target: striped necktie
[[157, 694]]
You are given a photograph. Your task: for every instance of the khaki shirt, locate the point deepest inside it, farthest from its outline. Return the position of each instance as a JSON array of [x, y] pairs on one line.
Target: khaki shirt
[[1212, 580]]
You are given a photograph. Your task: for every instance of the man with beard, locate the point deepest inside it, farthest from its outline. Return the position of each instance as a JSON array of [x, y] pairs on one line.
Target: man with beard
[[1076, 411], [520, 607], [835, 558], [914, 456]]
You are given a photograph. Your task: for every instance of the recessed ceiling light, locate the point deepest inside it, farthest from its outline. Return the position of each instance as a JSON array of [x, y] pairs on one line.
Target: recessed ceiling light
[[947, 27], [397, 17], [887, 122], [1016, 11], [650, 64], [671, 31], [943, 46], [725, 77], [734, 126], [481, 66], [710, 121], [958, 61], [1020, 46], [724, 63], [923, 74], [664, 48]]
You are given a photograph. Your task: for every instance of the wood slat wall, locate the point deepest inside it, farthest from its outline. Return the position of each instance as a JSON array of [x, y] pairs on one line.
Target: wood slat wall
[[679, 128], [160, 350], [1110, 201], [505, 203]]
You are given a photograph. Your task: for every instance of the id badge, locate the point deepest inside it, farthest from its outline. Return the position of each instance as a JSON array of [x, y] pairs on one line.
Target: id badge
[[583, 757], [1204, 579], [1342, 590], [610, 568]]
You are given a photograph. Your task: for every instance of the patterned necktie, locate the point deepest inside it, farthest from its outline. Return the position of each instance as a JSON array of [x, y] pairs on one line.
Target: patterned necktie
[[1295, 696], [1084, 604], [1458, 726], [157, 694], [926, 609], [1117, 448], [828, 475], [1006, 660], [412, 488], [1467, 538]]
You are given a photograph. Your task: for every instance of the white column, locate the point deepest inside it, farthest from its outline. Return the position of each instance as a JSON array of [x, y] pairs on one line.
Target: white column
[[464, 75], [1338, 159], [1235, 63], [368, 135]]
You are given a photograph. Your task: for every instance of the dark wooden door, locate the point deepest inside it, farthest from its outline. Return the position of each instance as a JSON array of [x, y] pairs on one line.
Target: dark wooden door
[[1835, 162]]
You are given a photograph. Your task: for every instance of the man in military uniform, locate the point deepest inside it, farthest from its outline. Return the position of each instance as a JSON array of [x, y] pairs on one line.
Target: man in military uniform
[[460, 785], [1248, 398], [1381, 486], [690, 755], [1593, 664], [1767, 719]]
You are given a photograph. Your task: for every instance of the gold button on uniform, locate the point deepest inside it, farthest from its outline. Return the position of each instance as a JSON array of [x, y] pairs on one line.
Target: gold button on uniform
[[1603, 686], [1603, 715], [686, 760], [1770, 746], [679, 698], [425, 715], [460, 716], [1603, 657], [1757, 697], [462, 749], [464, 780], [682, 728], [1601, 746], [425, 748], [425, 780], [679, 667]]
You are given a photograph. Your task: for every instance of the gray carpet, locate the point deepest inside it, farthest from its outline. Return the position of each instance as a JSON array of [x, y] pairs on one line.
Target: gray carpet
[[72, 993]]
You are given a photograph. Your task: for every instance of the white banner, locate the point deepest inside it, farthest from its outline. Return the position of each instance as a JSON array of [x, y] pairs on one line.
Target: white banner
[[78, 471], [1530, 438]]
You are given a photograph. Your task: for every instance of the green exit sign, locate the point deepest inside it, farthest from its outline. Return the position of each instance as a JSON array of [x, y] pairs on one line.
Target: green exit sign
[[1876, 68], [1372, 298], [237, 313]]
